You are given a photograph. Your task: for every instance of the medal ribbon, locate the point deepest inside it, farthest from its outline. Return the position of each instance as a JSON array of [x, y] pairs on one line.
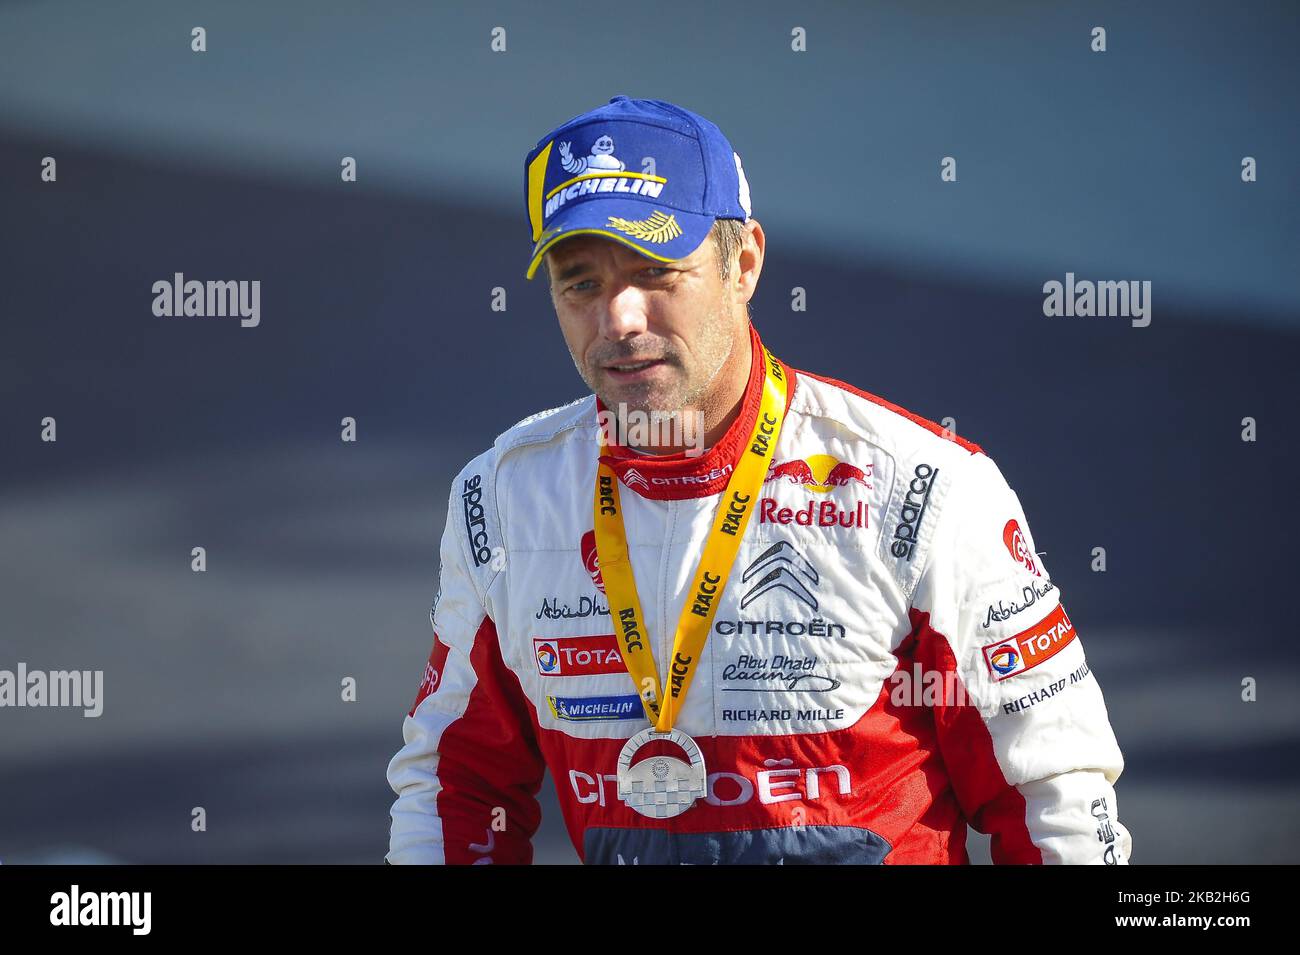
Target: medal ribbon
[[720, 549]]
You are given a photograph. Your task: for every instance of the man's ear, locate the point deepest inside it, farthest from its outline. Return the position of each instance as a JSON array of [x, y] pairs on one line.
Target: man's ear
[[753, 246]]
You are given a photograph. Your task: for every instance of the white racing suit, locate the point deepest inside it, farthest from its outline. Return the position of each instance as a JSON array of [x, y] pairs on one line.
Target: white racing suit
[[889, 660]]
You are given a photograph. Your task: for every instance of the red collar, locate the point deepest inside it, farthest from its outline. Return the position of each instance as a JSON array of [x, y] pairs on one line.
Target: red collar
[[676, 476]]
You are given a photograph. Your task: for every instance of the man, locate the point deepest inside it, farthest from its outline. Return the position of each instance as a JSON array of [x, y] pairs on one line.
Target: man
[[825, 638]]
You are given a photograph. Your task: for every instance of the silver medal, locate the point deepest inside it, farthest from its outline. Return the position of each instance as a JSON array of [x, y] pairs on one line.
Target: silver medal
[[661, 786]]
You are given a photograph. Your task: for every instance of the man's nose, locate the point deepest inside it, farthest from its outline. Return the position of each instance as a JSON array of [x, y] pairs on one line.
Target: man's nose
[[625, 314]]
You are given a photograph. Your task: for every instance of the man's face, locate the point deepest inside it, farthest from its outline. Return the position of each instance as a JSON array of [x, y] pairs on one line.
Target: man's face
[[647, 334]]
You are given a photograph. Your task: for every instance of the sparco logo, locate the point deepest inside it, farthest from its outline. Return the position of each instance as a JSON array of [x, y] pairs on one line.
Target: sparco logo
[[471, 496], [913, 512]]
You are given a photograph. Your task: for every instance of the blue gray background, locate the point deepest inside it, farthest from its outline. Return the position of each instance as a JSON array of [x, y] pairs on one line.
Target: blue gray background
[[222, 689]]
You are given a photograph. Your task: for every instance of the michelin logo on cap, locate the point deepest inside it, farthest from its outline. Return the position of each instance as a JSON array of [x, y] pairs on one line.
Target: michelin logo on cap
[[602, 157]]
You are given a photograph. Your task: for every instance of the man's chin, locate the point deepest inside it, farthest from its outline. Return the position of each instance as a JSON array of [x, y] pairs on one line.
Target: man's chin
[[641, 404], [644, 397]]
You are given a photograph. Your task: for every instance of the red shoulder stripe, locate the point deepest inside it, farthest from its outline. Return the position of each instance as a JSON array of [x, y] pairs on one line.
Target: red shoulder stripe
[[926, 423]]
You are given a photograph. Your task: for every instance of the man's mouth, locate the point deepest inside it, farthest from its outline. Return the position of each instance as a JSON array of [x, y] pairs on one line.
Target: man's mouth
[[629, 370]]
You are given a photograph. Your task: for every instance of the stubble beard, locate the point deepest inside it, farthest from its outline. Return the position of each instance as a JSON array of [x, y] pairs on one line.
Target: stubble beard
[[716, 348]]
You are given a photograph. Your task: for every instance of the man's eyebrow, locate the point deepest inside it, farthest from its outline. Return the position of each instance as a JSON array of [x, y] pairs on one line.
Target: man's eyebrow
[[577, 266], [569, 271]]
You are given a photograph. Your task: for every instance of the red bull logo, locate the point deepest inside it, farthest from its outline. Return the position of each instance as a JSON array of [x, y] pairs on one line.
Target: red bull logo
[[819, 472]]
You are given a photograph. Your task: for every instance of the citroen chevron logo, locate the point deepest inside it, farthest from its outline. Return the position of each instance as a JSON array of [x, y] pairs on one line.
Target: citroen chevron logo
[[778, 552], [778, 565]]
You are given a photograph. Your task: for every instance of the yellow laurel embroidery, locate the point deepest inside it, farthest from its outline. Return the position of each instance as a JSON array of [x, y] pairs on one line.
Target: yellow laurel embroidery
[[659, 227]]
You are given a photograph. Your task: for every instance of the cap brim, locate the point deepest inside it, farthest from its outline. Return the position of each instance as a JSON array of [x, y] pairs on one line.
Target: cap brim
[[598, 217]]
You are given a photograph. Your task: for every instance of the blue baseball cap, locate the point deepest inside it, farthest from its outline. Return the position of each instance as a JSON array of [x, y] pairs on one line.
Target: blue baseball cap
[[646, 173]]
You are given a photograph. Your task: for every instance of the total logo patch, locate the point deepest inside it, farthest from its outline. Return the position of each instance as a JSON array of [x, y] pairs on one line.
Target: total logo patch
[[578, 656], [590, 709], [1024, 651]]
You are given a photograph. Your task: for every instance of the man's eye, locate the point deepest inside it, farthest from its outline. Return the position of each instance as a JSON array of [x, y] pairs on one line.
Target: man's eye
[[656, 271], [578, 286]]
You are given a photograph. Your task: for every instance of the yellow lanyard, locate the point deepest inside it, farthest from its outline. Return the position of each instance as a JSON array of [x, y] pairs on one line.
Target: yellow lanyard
[[720, 551]]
